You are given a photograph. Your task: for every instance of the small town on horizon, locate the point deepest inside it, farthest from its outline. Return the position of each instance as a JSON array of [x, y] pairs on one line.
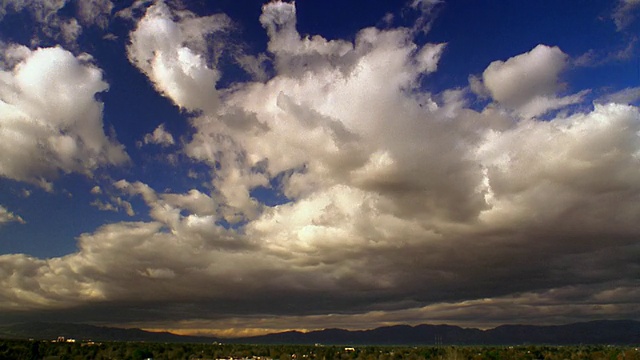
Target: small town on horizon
[[71, 348]]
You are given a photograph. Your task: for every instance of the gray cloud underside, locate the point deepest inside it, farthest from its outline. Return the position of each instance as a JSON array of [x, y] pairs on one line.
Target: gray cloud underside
[[404, 204]]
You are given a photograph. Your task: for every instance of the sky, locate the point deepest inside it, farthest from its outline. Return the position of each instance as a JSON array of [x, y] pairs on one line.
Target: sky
[[232, 168]]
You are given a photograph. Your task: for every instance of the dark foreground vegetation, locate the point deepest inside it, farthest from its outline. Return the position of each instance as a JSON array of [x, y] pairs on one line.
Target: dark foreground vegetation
[[36, 350]]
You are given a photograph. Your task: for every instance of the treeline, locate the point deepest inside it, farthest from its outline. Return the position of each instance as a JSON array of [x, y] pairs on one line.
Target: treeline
[[41, 350]]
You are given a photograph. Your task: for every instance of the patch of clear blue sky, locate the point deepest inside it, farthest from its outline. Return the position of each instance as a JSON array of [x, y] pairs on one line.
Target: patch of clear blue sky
[[53, 220]]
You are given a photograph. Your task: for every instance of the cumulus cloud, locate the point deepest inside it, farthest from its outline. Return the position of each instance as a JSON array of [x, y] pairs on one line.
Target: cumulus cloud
[[584, 161], [50, 119], [95, 12], [132, 12], [397, 203], [173, 55], [65, 31], [42, 10], [7, 216], [528, 83], [51, 24], [429, 56], [115, 204], [538, 71], [159, 136], [323, 93]]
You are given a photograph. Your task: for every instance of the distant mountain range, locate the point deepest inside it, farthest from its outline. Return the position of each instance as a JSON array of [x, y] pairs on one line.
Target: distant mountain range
[[594, 332]]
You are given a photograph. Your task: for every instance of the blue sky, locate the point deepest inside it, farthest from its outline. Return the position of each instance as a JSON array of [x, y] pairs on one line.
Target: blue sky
[[381, 162]]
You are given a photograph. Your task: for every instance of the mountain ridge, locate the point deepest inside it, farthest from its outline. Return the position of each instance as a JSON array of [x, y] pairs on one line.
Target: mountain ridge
[[592, 332]]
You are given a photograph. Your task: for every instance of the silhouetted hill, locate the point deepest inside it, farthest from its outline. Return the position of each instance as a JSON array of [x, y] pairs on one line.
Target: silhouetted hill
[[51, 331], [595, 332]]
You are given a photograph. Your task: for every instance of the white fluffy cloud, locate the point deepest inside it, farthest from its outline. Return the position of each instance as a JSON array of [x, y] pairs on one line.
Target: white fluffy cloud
[[516, 81], [50, 120], [323, 120], [569, 172], [173, 55], [429, 56], [529, 83]]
